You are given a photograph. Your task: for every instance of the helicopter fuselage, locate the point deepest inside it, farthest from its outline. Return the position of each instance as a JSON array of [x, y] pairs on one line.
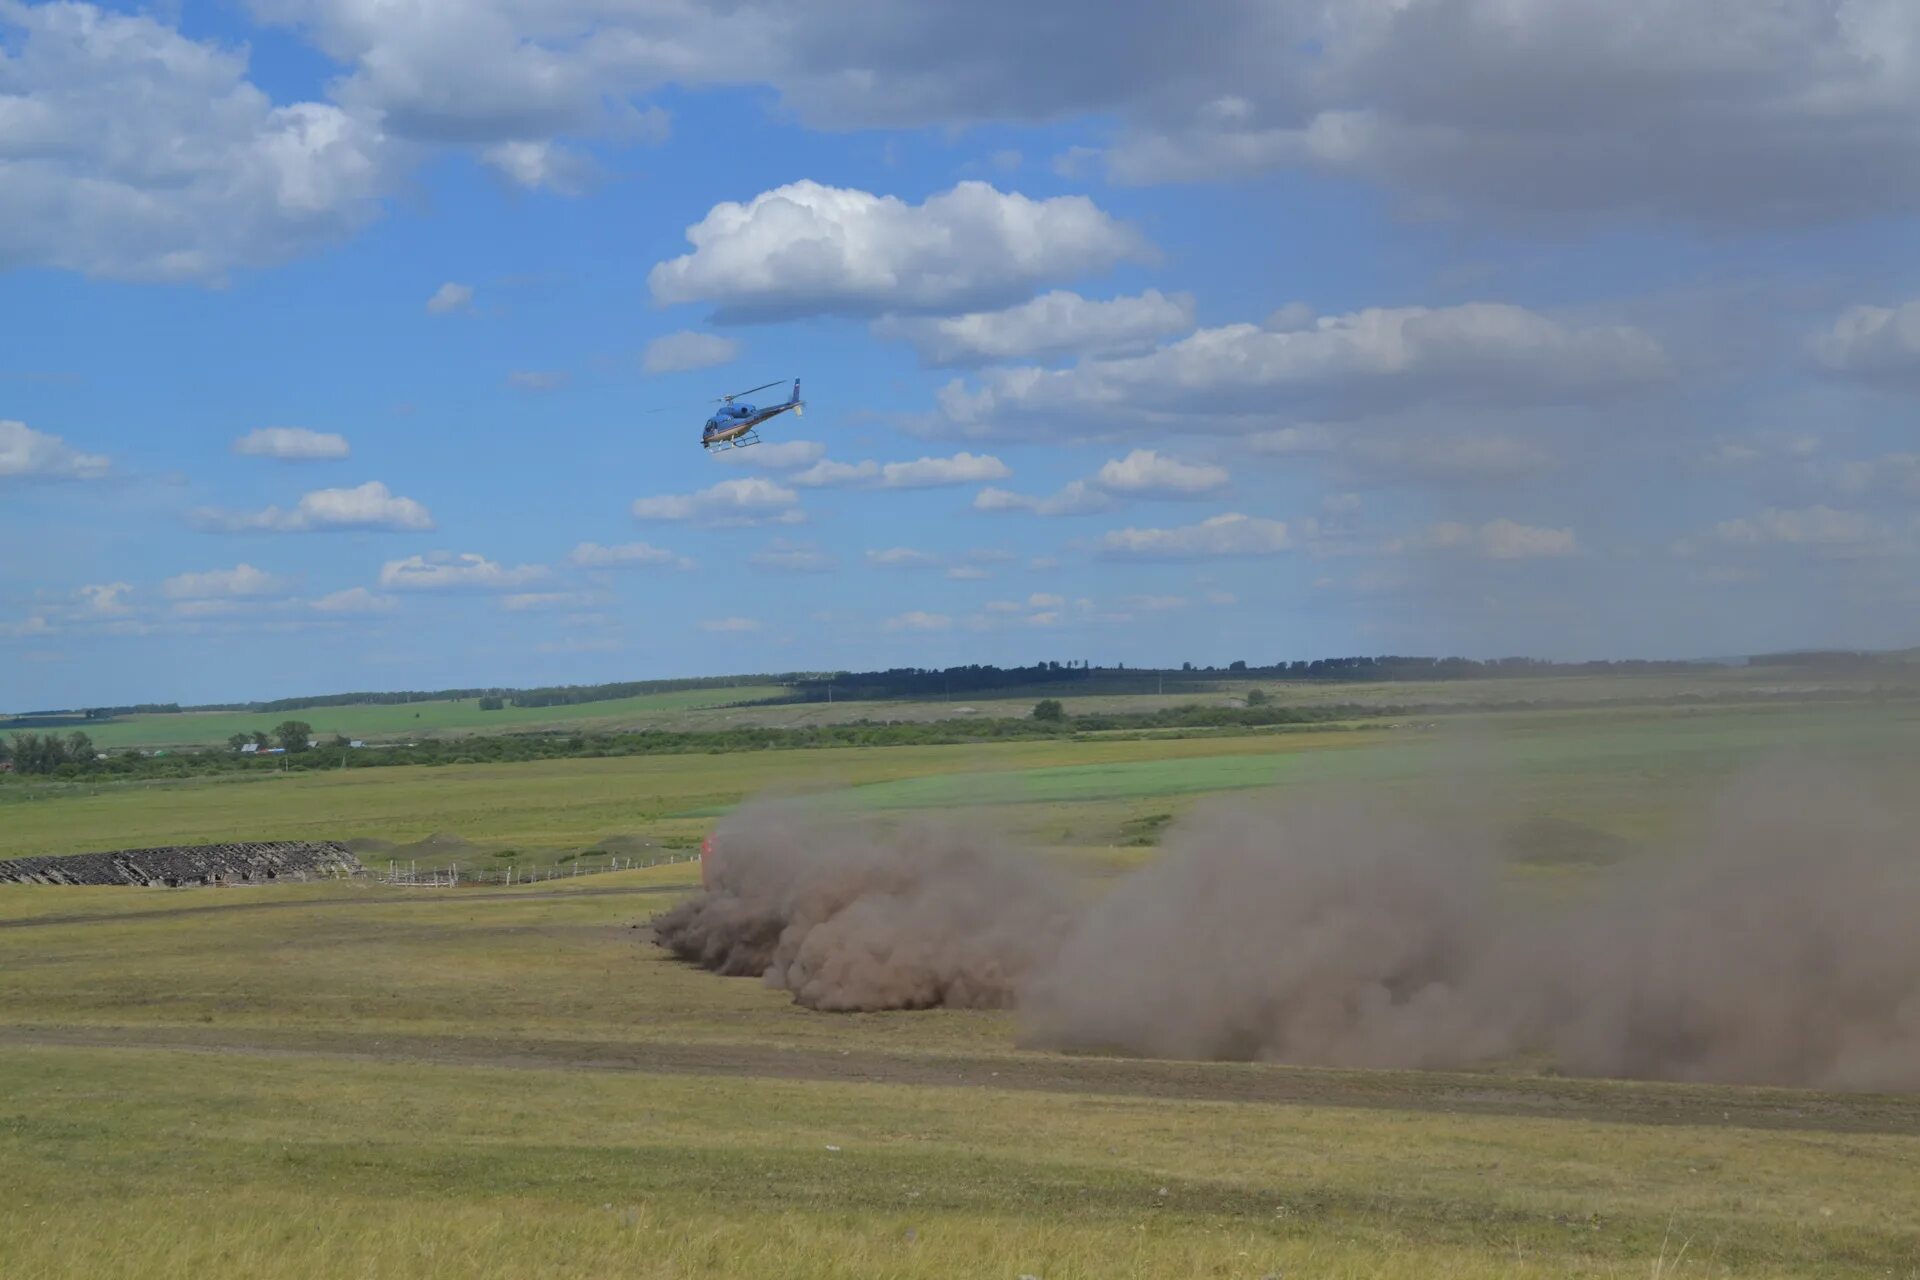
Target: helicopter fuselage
[[733, 425]]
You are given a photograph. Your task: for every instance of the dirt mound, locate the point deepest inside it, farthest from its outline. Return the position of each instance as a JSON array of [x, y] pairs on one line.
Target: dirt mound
[[441, 844], [623, 846]]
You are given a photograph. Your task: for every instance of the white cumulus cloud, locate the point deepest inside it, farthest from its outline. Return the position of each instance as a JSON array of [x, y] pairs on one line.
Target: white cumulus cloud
[[291, 444], [542, 164], [680, 352], [1147, 473], [445, 571], [241, 581], [809, 249], [1057, 323], [546, 601], [1075, 498], [628, 555], [133, 152], [32, 627], [106, 599], [1230, 534], [782, 556], [26, 454], [1469, 456], [354, 600], [1874, 344], [901, 558], [1894, 473], [1816, 526], [1495, 540], [731, 502], [368, 506], [1479, 354], [774, 455], [449, 298], [918, 620], [921, 473], [1720, 113]]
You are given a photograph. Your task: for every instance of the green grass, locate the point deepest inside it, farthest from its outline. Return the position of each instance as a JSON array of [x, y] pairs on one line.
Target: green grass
[[537, 804], [258, 1168], [400, 721], [711, 709], [421, 1085], [336, 1080], [1620, 770]]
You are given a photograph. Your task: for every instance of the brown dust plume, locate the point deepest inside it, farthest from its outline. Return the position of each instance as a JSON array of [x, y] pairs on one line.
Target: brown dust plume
[[1775, 938], [848, 917]]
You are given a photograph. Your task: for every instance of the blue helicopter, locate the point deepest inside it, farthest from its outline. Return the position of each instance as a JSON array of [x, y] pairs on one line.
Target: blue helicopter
[[733, 425]]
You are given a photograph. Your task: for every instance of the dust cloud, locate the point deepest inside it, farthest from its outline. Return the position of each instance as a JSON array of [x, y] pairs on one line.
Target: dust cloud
[[1775, 938], [1777, 942], [849, 917], [1317, 931]]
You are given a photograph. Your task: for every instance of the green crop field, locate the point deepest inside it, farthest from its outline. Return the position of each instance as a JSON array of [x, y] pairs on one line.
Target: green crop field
[[398, 721], [1615, 768], [712, 709], [334, 1080]]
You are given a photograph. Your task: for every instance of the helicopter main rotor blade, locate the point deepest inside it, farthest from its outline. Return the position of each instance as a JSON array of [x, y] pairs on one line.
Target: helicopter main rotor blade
[[750, 390]]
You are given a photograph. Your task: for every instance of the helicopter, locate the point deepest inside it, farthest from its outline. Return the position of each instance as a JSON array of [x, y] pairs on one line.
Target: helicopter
[[733, 425]]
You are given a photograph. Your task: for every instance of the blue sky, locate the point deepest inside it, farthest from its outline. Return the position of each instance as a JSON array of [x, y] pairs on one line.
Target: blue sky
[[356, 346]]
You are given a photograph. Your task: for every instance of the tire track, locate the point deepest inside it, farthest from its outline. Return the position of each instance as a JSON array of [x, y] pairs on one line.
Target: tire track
[[1538, 1097], [457, 895]]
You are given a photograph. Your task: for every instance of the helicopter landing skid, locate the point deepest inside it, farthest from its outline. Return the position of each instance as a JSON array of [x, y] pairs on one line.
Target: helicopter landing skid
[[738, 442]]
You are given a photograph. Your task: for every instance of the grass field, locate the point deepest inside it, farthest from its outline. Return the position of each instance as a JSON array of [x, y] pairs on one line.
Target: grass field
[[326, 1082], [1620, 770], [349, 1080], [711, 709], [400, 721]]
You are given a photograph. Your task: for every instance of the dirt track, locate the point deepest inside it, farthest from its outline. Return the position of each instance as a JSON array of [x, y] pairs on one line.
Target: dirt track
[[413, 897], [1205, 1082]]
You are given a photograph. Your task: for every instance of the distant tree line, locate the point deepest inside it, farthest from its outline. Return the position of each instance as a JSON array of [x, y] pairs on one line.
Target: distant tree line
[[48, 753], [291, 736], [506, 747], [569, 695], [923, 683], [98, 713], [928, 683], [74, 756], [549, 696]]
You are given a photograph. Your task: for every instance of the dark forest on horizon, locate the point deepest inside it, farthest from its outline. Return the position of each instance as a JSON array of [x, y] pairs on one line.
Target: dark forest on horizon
[[935, 682]]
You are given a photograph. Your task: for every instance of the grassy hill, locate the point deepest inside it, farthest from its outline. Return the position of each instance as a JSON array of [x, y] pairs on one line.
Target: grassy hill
[[391, 721]]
